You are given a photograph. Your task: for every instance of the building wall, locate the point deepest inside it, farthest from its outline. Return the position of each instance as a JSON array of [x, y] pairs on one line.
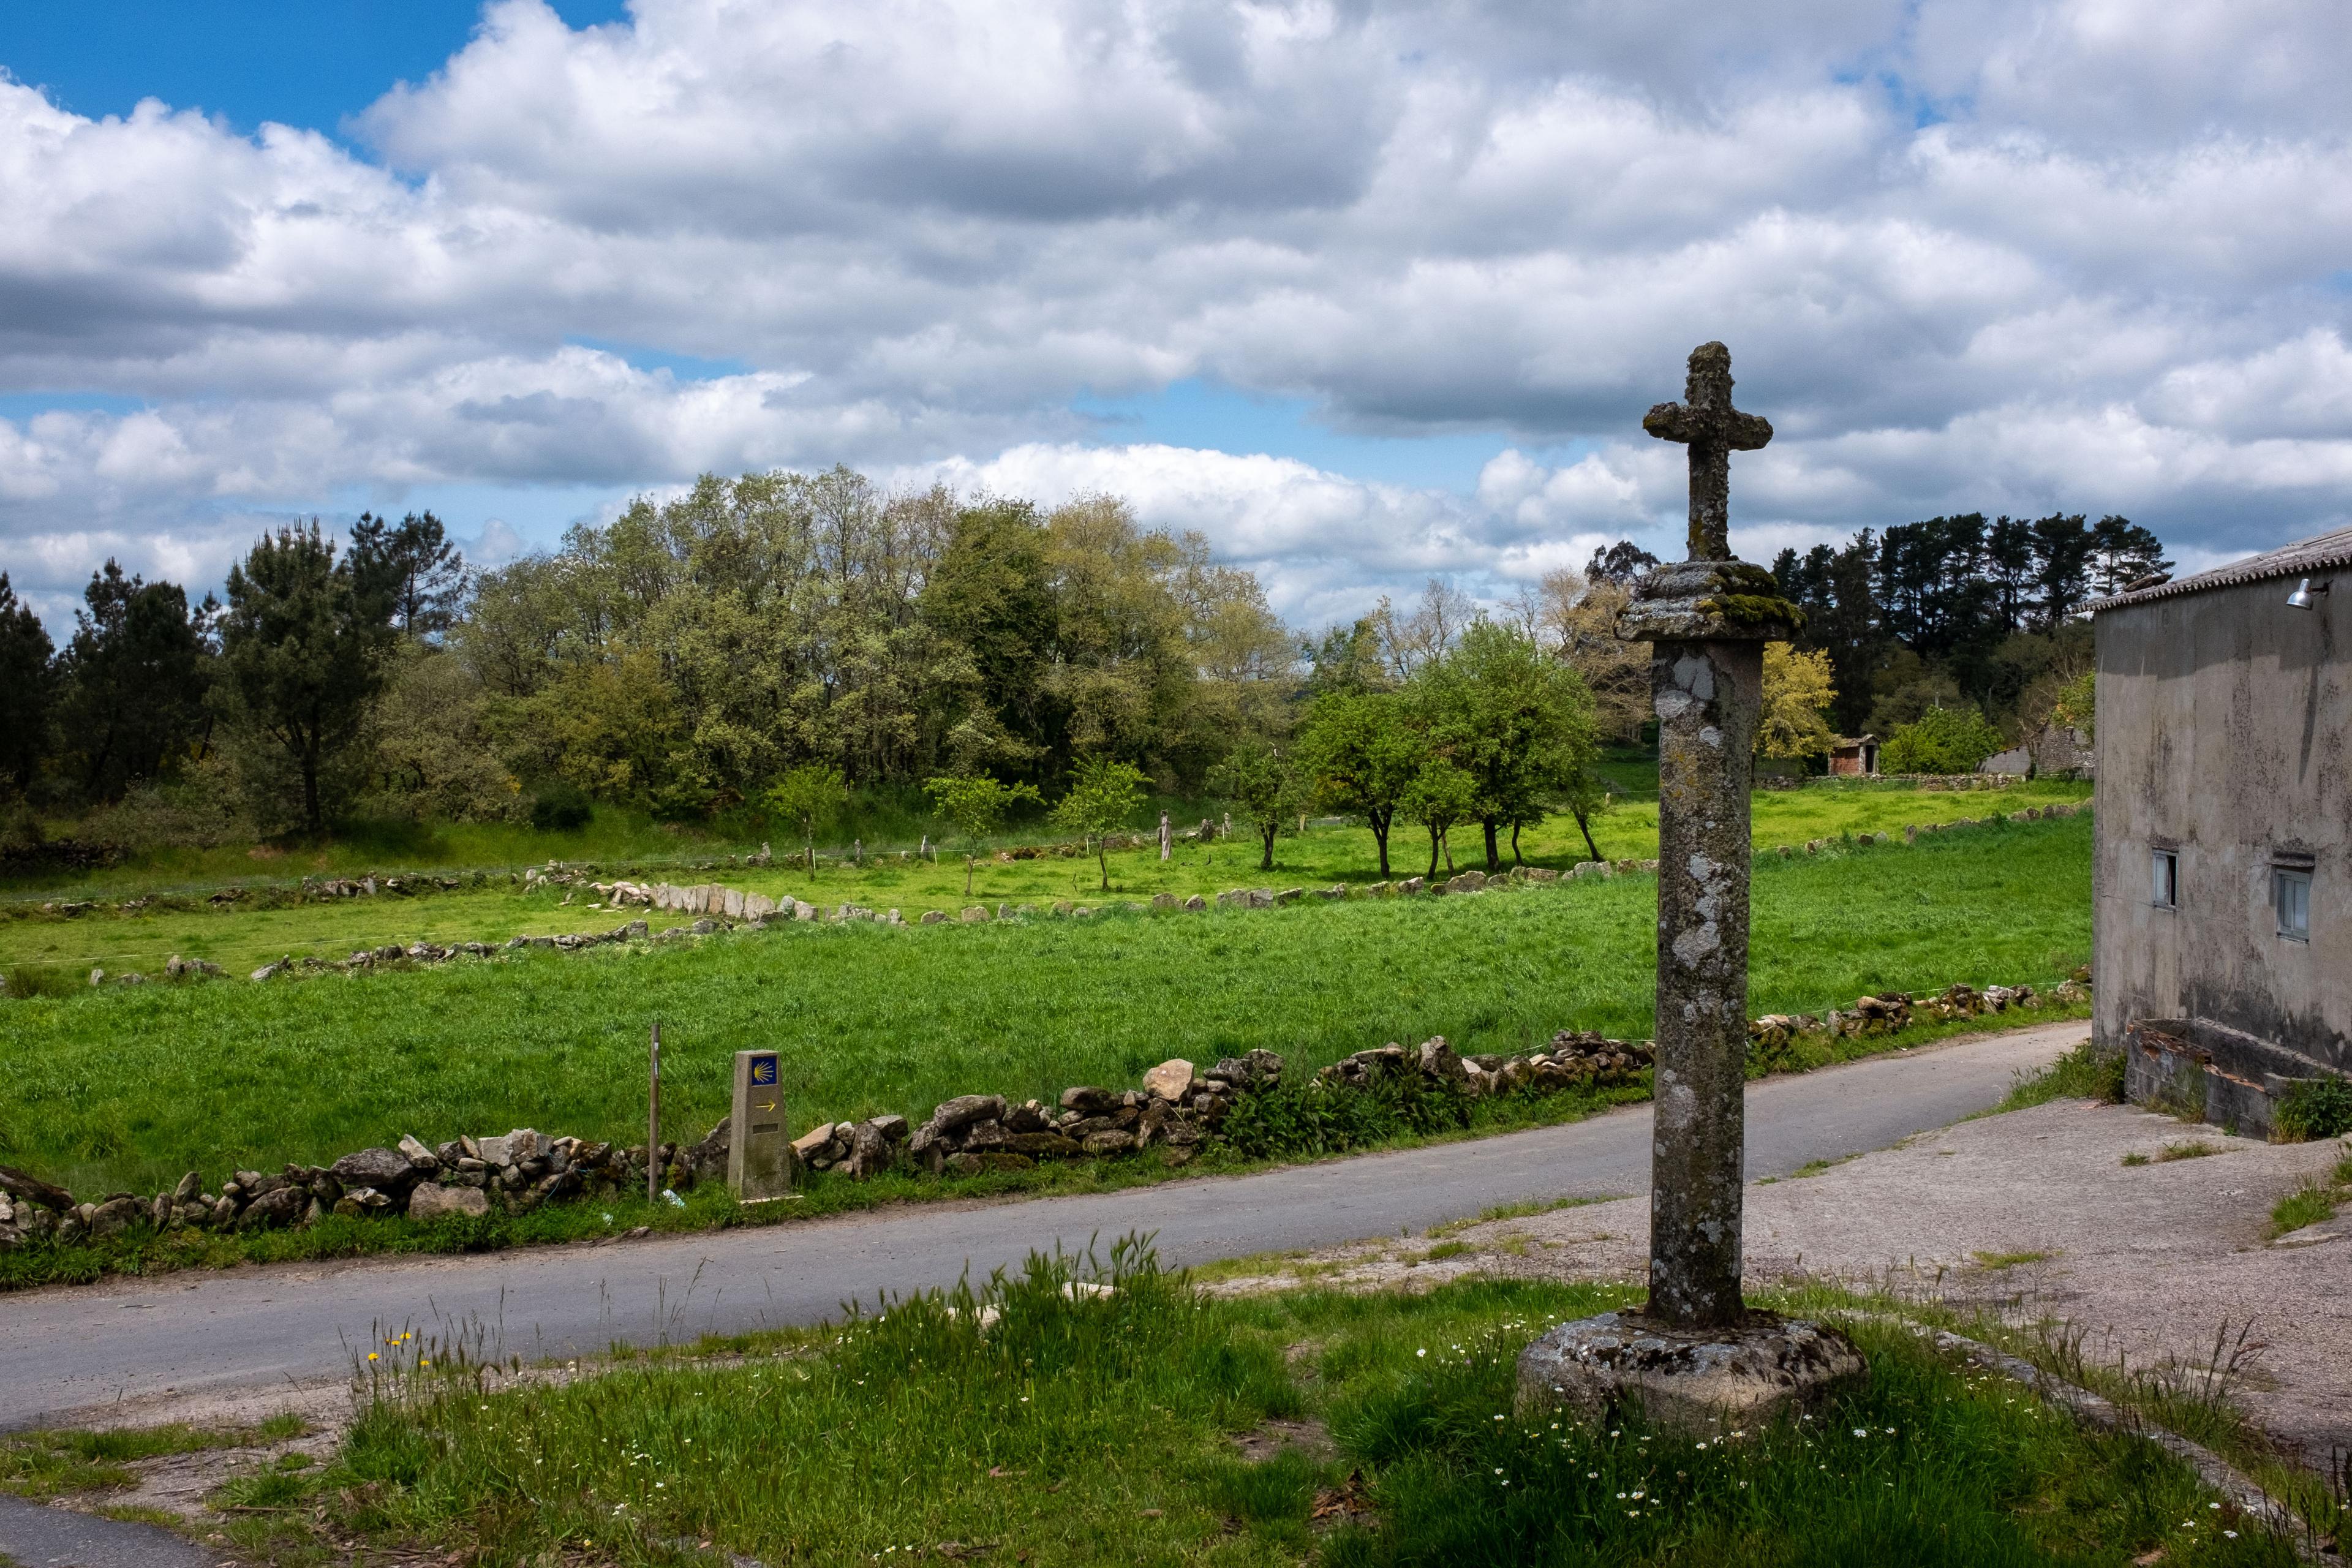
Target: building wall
[[2225, 728]]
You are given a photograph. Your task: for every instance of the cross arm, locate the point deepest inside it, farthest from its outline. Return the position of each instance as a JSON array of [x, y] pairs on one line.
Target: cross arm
[[1674, 422], [1742, 432]]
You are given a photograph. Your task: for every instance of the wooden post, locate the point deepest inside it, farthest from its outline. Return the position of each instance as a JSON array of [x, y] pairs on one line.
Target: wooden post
[[653, 1118]]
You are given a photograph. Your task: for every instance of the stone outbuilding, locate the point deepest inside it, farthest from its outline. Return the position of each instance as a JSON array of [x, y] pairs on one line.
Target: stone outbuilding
[[2222, 879], [1854, 756]]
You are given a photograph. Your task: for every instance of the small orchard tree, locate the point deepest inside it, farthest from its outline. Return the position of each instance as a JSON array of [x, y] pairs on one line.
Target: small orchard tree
[[1517, 722], [1440, 795], [1797, 692], [1262, 786], [1940, 741], [1104, 794], [1358, 754], [807, 797], [976, 803]]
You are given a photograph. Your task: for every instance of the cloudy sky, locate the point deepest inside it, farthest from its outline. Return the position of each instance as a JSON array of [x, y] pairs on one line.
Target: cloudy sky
[[1363, 291]]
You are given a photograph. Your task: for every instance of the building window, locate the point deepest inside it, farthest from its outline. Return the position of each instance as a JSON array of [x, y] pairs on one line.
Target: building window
[[2291, 898], [2164, 879]]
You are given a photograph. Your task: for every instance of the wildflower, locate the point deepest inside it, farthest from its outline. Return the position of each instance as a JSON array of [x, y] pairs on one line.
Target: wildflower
[[1862, 1431], [372, 1357], [1423, 1350]]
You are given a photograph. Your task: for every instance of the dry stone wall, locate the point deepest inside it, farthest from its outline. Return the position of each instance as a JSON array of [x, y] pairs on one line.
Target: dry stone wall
[[1179, 1107]]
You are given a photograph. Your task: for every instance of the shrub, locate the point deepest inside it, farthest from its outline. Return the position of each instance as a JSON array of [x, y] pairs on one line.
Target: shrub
[[2314, 1107], [561, 806], [1940, 741]]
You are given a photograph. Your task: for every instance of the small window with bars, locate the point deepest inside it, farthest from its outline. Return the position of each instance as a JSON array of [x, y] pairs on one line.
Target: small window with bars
[[2291, 900], [2164, 879]]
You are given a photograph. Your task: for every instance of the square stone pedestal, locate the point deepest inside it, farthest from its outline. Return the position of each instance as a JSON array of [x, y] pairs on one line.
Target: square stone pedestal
[[1702, 1381]]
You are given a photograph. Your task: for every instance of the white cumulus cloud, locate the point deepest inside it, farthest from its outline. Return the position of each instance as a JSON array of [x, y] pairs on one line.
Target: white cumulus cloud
[[2037, 254]]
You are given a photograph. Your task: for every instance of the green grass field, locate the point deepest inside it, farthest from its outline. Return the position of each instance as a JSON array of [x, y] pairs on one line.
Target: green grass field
[[126, 1087], [1104, 1429], [55, 951]]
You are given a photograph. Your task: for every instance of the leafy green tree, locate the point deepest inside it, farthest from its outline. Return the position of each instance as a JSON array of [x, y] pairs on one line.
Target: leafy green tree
[[808, 796], [1262, 786], [992, 591], [1358, 753], [1440, 795], [302, 653], [1519, 723], [1346, 659], [977, 803], [1104, 794], [1623, 565], [433, 756], [1940, 741], [27, 688], [134, 676]]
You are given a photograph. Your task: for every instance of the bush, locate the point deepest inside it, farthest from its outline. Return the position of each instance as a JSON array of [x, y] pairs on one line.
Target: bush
[[561, 806], [2312, 1109], [1940, 741]]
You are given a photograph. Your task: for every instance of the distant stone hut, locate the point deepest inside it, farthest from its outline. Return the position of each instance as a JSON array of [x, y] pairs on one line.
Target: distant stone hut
[[2223, 880], [1854, 757]]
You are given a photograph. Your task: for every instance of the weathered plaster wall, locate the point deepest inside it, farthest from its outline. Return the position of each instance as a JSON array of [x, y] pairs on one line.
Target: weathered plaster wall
[[2224, 724]]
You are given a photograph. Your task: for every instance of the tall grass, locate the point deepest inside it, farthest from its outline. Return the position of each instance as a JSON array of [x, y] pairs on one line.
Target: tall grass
[[1032, 1419], [130, 1086]]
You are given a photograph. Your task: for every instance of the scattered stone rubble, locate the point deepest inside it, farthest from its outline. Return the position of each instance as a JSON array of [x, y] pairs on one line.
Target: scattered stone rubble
[[1180, 1108]]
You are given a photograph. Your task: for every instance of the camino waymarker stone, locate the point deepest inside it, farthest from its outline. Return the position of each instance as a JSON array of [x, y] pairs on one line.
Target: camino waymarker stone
[[759, 1148], [1695, 1355]]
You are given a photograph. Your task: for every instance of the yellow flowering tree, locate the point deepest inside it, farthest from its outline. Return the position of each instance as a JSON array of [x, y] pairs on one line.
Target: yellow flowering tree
[[1797, 691]]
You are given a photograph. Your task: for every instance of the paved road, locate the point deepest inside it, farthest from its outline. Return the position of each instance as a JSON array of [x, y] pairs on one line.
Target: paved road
[[70, 1350], [39, 1536]]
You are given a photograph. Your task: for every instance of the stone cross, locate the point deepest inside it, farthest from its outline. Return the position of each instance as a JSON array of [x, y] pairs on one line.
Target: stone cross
[[1706, 686], [1694, 1356], [1707, 423]]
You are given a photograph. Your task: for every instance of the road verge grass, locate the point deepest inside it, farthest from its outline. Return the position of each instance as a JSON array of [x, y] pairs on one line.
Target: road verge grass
[[1033, 1419]]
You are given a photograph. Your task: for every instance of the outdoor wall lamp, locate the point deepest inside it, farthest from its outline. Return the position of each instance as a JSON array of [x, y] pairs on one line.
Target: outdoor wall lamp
[[2304, 593]]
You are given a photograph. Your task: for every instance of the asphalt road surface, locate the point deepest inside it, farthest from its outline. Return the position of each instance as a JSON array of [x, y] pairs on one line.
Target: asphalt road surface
[[73, 1351]]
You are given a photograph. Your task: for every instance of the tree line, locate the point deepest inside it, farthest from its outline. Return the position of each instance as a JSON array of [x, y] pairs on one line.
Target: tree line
[[779, 643], [1962, 614]]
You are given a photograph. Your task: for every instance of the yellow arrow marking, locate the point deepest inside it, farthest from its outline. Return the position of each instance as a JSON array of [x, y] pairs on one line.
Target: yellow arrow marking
[[764, 1105]]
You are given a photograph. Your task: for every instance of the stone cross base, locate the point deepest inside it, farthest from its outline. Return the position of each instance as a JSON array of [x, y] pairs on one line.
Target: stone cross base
[[1708, 601], [1703, 1383]]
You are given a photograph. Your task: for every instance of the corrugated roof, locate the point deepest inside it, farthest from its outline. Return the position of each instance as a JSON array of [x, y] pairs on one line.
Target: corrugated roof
[[2304, 558]]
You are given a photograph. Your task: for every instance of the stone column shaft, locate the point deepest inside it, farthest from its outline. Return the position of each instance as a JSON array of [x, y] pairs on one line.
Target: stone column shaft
[[1707, 696]]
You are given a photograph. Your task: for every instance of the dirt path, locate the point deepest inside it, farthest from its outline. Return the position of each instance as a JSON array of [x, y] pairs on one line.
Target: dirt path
[[2031, 1214]]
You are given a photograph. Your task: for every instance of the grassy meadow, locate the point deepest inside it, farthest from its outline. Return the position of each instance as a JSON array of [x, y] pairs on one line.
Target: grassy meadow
[[54, 952], [126, 1087], [1156, 1426]]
